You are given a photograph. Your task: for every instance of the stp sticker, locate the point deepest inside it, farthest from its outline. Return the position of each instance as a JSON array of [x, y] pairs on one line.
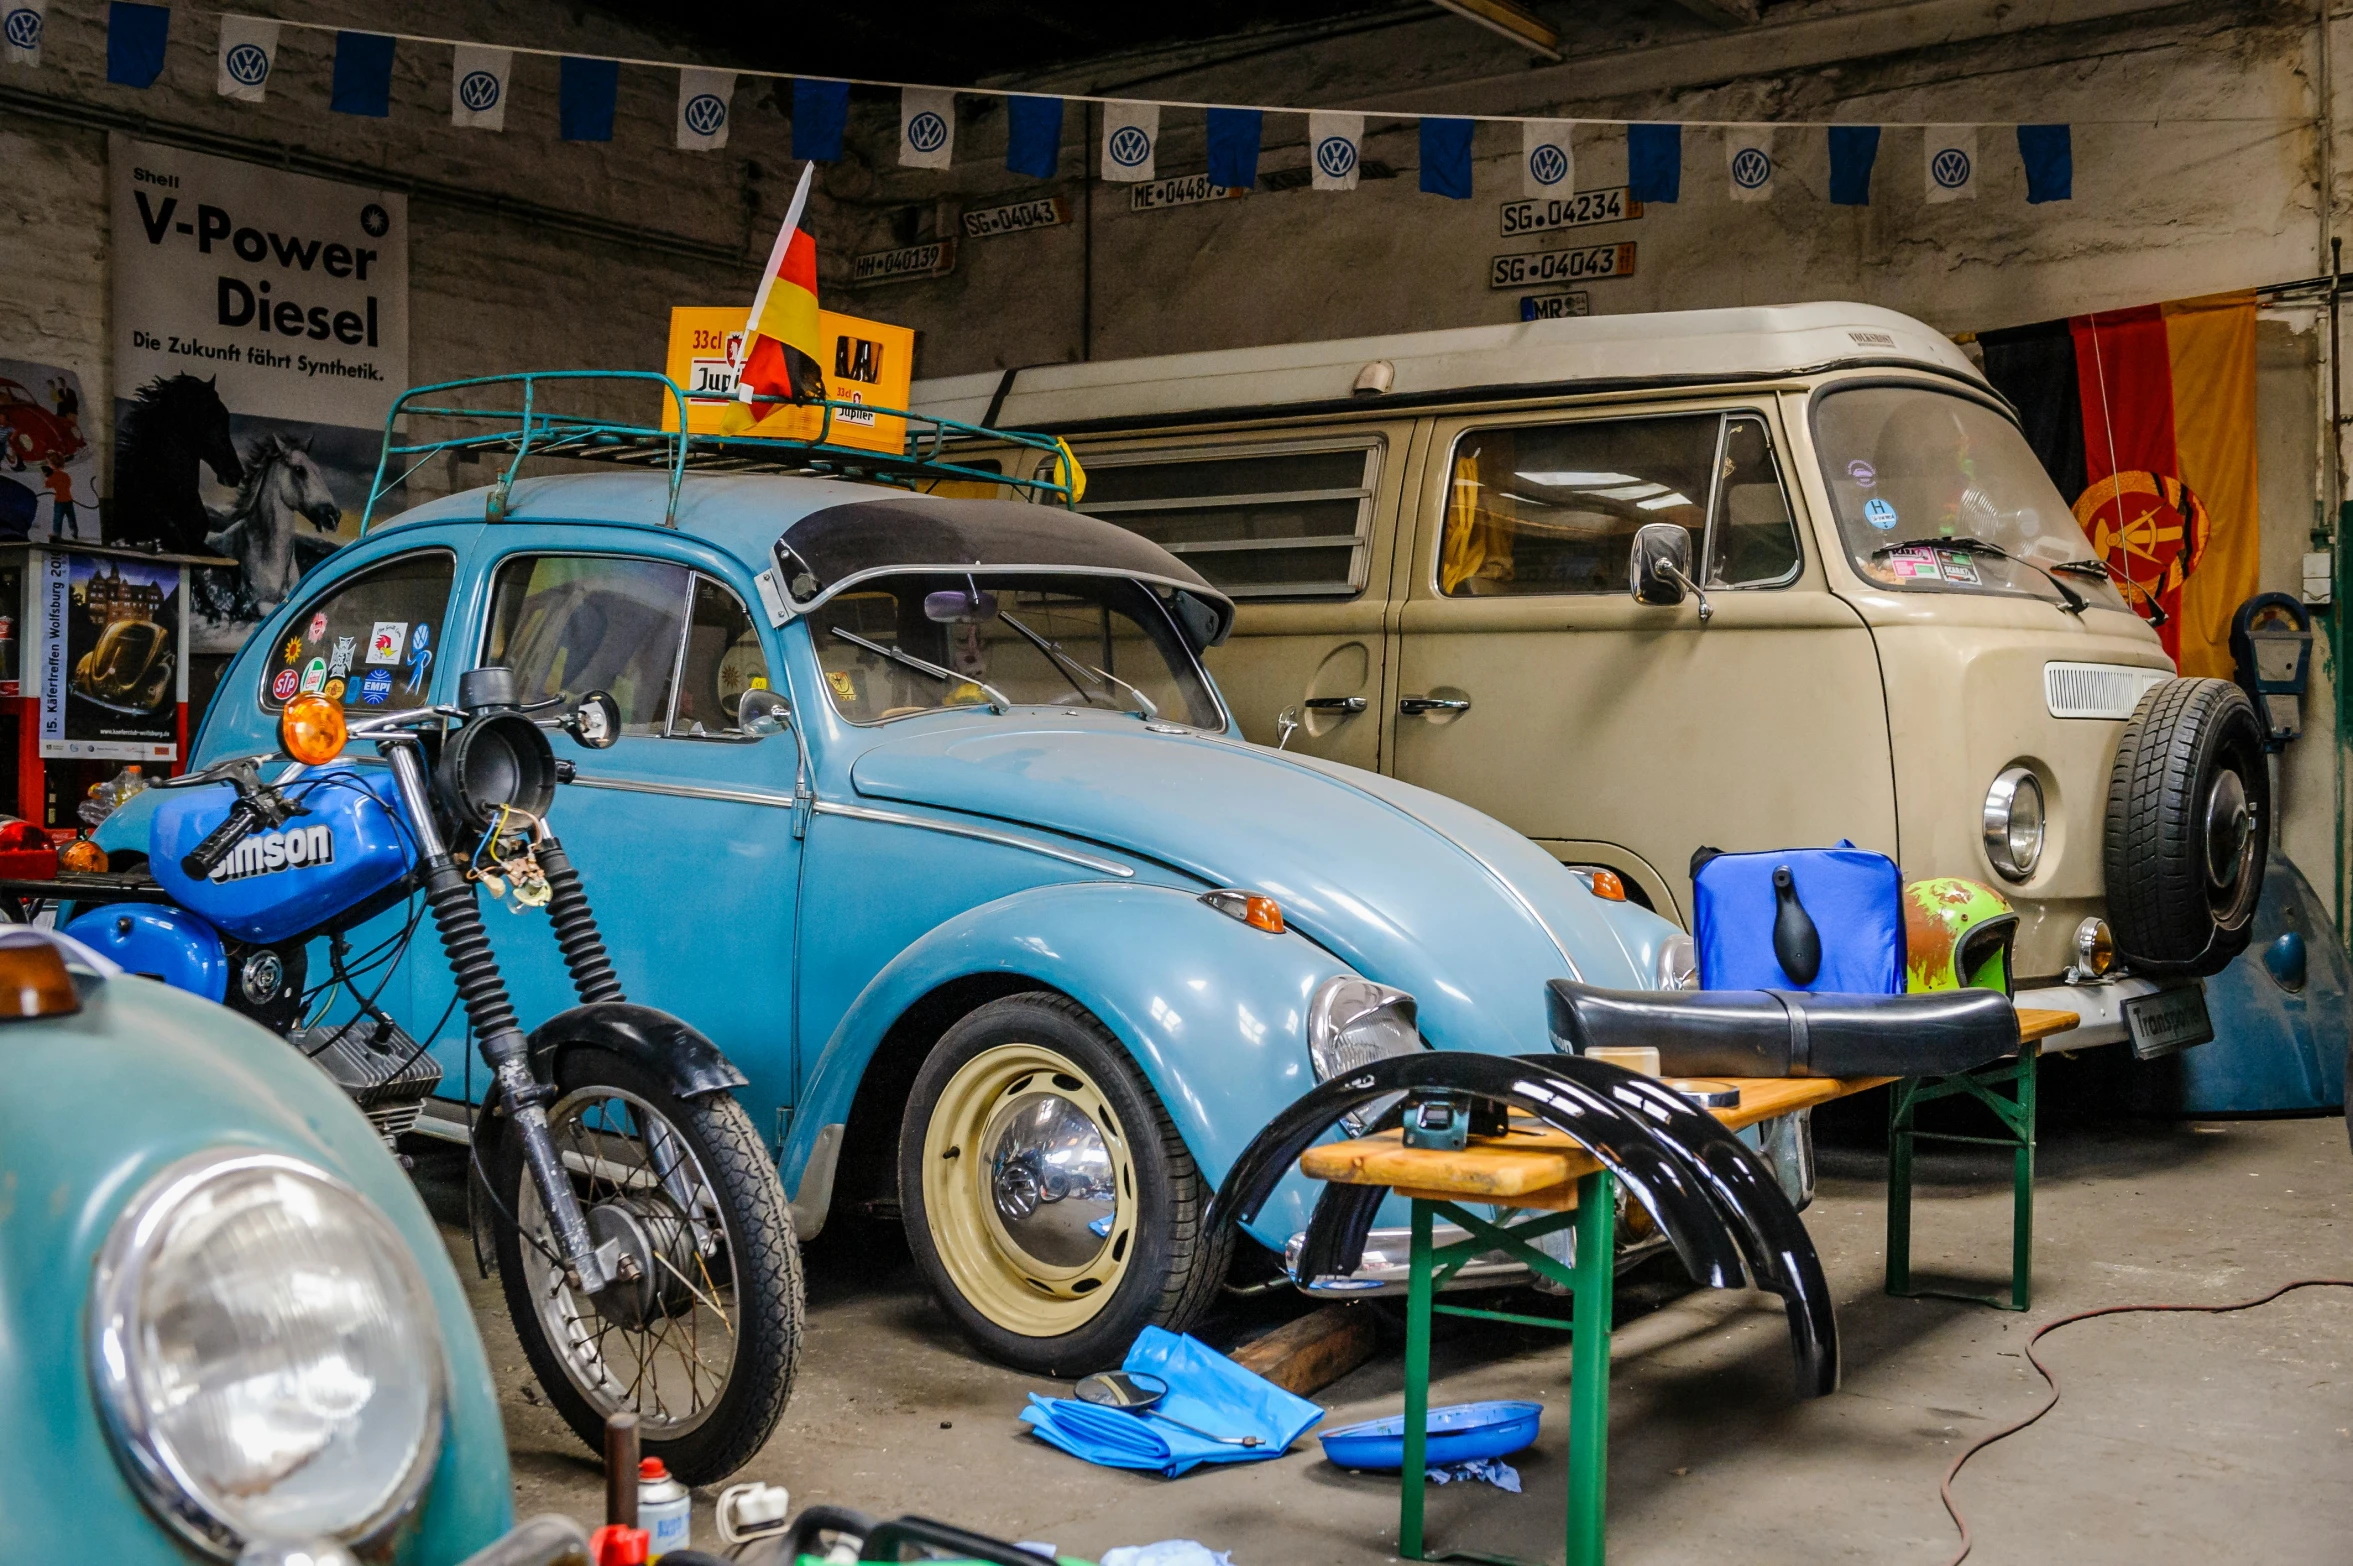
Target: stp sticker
[[285, 685], [376, 687], [384, 642], [318, 625]]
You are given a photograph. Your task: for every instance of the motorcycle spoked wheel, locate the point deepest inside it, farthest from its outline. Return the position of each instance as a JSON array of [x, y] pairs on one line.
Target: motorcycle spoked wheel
[[702, 1349]]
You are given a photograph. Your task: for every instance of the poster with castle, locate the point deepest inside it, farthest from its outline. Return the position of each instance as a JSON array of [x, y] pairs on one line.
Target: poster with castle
[[110, 653]]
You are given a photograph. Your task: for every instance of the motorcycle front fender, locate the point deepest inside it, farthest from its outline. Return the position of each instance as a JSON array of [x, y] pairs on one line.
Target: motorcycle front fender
[[682, 1057]]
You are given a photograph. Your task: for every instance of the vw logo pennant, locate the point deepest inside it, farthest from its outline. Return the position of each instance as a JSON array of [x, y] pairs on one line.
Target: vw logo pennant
[[1335, 144], [1748, 159], [1129, 132], [478, 79], [1548, 161], [1951, 166], [249, 45], [703, 97], [927, 128]]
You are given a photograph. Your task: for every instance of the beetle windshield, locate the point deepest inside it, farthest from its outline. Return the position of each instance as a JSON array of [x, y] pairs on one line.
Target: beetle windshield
[[902, 645], [1941, 493]]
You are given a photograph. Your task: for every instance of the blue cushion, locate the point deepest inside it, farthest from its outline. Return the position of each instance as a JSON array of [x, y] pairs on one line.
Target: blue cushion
[[1853, 896]]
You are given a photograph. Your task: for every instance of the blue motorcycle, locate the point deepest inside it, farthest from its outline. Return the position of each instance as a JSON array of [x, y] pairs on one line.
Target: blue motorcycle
[[643, 1243]]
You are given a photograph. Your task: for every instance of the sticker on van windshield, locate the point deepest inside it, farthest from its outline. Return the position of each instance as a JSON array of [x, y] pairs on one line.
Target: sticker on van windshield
[[1862, 473], [1915, 565], [1958, 567], [1879, 513]]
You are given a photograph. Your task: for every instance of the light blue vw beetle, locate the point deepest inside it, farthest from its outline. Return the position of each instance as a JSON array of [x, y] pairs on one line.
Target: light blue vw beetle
[[226, 1320], [926, 812]]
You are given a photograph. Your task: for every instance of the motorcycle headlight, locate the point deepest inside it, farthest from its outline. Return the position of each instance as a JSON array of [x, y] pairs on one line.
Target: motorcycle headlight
[[266, 1354], [2014, 823], [1676, 967]]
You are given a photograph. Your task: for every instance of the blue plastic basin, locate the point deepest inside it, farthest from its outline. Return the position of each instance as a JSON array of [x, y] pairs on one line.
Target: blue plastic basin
[[1458, 1433]]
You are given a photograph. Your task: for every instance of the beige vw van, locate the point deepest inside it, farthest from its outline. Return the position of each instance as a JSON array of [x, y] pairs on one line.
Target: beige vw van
[[1870, 615]]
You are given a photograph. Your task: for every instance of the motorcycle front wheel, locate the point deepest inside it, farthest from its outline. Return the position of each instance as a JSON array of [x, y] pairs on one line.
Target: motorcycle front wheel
[[702, 1344]]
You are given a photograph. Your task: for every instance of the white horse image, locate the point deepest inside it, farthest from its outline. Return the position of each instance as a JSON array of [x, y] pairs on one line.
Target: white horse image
[[282, 486]]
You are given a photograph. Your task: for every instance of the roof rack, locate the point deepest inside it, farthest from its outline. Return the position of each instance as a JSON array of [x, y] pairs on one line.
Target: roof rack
[[532, 430]]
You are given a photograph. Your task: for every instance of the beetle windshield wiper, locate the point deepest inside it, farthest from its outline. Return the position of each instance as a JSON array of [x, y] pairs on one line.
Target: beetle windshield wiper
[[2070, 600], [997, 698], [1102, 677]]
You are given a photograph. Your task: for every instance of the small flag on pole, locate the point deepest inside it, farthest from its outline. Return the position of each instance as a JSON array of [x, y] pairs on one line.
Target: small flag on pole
[[820, 111], [1033, 136], [1334, 142], [21, 22], [927, 127], [1131, 136], [1548, 163], [1446, 157], [1748, 161], [1853, 149], [781, 340], [706, 100], [363, 75], [1950, 162], [478, 86], [2048, 152], [1654, 162], [249, 47], [1233, 147], [135, 37]]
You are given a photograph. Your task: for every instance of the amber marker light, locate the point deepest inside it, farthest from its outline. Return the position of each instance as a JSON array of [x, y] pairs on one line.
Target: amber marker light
[[1254, 909], [1607, 885], [311, 728], [34, 983]]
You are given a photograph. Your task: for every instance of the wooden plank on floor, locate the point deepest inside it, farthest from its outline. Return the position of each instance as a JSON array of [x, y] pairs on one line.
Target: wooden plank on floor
[[1309, 1354]]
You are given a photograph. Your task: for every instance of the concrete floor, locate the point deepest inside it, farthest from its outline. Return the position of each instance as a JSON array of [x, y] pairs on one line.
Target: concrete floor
[[2182, 1437]]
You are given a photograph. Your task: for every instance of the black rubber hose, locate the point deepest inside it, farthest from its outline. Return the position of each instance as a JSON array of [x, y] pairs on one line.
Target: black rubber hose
[[576, 933]]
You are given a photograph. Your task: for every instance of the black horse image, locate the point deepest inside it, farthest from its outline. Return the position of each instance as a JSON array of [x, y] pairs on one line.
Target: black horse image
[[175, 423]]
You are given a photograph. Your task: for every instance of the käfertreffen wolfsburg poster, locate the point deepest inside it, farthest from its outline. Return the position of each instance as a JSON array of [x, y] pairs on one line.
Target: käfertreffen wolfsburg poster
[[260, 335]]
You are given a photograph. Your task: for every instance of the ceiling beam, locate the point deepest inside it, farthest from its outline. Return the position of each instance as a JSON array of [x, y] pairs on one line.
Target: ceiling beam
[[1722, 13], [1529, 31]]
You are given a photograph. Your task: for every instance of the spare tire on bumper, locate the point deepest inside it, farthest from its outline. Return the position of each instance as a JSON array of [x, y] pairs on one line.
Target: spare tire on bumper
[[2189, 819]]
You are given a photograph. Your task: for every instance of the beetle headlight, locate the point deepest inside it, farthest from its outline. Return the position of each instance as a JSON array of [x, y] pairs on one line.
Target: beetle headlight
[[1676, 967], [1353, 1022], [2014, 823], [266, 1354]]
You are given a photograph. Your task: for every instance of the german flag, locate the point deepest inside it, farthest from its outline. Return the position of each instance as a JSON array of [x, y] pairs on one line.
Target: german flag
[[2146, 420], [782, 340]]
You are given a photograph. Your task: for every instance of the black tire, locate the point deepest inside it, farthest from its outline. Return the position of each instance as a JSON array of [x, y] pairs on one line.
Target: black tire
[[1173, 1265], [764, 1277], [2181, 892]]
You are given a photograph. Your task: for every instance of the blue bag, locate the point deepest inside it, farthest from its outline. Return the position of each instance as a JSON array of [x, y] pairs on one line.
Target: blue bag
[[1205, 1390], [1829, 920]]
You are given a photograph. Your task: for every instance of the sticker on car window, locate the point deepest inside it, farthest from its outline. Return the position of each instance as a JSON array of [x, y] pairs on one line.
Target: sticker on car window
[[385, 641], [376, 687], [286, 685], [1879, 513], [843, 685], [1862, 473], [1958, 567], [314, 677], [1915, 565]]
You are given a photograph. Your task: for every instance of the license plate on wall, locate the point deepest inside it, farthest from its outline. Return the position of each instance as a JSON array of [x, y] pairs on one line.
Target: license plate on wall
[[1561, 266], [2168, 1021]]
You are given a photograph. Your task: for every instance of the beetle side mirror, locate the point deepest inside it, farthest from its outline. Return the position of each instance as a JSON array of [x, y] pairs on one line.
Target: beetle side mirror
[[1660, 571], [595, 721], [760, 711]]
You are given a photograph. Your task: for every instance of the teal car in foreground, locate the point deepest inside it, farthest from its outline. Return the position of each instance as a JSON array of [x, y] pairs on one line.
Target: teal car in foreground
[[225, 1316], [926, 812]]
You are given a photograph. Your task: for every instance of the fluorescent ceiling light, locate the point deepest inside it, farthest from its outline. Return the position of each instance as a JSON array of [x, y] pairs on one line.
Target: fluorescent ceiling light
[[1578, 480], [1664, 501], [1508, 20]]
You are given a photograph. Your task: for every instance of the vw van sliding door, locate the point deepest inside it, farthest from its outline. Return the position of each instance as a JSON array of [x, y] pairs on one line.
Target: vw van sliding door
[[1532, 686], [1299, 531]]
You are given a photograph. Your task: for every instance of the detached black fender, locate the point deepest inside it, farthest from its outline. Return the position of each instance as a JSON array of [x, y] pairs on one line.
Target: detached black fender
[[680, 1055], [1714, 1198]]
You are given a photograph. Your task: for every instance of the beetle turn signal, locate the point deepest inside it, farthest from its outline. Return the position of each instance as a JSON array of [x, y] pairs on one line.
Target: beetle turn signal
[[311, 728], [34, 983], [1254, 909], [1607, 886]]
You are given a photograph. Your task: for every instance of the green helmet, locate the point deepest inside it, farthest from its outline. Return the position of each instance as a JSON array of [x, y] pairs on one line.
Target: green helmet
[[1957, 935]]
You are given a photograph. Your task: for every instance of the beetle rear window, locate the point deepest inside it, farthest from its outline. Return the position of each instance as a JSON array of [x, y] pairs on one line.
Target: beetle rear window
[[368, 641]]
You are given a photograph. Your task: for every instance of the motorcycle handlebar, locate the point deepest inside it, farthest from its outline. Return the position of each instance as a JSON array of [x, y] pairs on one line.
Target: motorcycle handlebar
[[206, 856]]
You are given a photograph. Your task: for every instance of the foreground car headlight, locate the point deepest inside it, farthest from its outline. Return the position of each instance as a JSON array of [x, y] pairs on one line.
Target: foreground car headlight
[[2014, 823], [1353, 1022], [266, 1354], [1676, 967]]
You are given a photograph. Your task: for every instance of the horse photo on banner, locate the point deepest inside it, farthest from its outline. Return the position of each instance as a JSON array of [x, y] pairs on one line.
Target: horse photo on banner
[[256, 354]]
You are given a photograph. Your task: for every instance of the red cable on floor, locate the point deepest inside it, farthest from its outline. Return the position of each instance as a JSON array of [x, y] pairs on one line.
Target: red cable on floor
[[1945, 1490]]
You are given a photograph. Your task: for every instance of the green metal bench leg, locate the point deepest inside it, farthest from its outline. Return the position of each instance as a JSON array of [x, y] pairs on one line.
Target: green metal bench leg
[[1589, 1370], [1899, 1189], [1413, 1479], [2015, 1115], [2022, 1189]]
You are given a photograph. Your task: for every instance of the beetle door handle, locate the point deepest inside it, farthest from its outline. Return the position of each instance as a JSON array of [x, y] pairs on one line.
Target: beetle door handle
[[1413, 706], [1347, 704]]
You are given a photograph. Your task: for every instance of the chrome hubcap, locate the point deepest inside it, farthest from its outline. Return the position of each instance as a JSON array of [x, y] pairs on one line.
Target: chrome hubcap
[[1051, 1179], [2230, 828]]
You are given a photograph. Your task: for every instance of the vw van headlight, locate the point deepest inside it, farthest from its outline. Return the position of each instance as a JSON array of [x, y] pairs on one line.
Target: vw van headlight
[[266, 1354], [2014, 823]]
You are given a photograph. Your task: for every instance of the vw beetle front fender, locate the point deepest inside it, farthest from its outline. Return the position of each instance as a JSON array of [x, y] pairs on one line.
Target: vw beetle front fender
[[1212, 1011]]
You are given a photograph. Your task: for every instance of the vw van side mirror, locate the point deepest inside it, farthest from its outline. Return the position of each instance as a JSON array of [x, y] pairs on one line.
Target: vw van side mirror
[[595, 721], [760, 711], [1660, 571]]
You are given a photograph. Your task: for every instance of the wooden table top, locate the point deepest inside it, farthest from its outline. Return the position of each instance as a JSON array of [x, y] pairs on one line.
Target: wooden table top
[[1537, 1167]]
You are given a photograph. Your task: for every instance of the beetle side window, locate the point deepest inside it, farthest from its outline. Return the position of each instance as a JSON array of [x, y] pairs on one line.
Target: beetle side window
[[571, 624], [723, 660], [368, 641], [1553, 508]]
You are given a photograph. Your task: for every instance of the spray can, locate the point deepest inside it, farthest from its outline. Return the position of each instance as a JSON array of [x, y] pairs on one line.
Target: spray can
[[664, 1508]]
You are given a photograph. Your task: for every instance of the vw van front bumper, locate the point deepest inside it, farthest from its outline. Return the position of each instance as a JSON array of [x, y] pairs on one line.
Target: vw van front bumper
[[2100, 1003]]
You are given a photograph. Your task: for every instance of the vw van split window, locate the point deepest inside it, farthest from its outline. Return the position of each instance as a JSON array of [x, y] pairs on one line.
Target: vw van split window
[[904, 645], [367, 642], [1553, 508], [1259, 522], [1939, 493]]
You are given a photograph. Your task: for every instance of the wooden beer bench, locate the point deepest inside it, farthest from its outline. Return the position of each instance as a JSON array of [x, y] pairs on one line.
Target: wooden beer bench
[[1547, 1183]]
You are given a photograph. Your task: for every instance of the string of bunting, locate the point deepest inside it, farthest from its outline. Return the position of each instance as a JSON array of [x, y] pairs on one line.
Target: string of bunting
[[481, 79]]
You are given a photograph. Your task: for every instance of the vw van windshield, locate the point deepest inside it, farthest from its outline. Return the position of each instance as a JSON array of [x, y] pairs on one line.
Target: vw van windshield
[[1940, 493], [902, 645]]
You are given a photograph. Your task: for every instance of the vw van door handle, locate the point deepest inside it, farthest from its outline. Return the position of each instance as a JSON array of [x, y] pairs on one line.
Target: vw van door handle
[[1414, 706], [1347, 704]]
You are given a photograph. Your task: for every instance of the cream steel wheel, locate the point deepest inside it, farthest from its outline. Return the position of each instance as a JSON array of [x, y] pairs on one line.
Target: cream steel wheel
[[1031, 1189]]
